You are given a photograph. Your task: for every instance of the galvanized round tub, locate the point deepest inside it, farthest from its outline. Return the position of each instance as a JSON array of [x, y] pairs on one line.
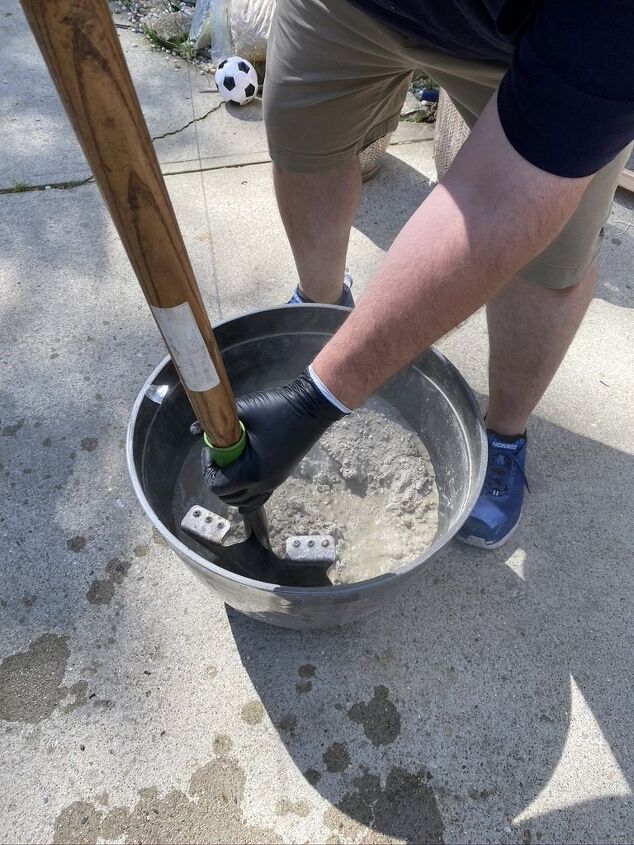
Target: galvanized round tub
[[266, 348]]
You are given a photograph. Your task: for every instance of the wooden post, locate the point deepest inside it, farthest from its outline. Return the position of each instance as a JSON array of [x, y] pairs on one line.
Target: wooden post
[[81, 48]]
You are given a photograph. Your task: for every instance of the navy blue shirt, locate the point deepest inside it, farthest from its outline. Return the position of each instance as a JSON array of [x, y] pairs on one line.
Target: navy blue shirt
[[566, 102]]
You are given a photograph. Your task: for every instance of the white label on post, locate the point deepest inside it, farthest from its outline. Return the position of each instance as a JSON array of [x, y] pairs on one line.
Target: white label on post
[[187, 347]]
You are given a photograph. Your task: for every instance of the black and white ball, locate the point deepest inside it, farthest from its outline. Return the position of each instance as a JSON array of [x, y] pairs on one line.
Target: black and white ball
[[237, 80]]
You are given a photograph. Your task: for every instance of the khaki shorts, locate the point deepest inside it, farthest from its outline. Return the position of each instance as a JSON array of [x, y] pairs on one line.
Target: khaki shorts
[[336, 80]]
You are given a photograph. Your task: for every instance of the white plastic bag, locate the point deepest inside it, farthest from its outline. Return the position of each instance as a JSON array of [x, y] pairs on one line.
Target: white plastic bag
[[200, 31], [250, 22], [221, 46], [232, 28], [210, 28]]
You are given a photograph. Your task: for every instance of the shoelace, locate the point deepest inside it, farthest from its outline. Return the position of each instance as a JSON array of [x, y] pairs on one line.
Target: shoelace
[[497, 472]]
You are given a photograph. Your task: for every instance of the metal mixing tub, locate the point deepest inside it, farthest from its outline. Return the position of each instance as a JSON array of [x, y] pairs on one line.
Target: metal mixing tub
[[267, 348]]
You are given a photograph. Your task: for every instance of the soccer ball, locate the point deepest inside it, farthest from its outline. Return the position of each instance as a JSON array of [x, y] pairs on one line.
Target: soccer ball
[[237, 80]]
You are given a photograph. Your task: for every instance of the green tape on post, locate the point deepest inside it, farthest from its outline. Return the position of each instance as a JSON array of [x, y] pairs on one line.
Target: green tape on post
[[225, 455]]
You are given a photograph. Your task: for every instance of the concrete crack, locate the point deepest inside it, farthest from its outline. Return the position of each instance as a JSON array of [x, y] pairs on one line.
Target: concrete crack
[[24, 187], [193, 120]]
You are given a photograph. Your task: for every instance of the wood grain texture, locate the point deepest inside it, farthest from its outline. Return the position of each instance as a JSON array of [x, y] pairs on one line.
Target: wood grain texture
[[81, 48]]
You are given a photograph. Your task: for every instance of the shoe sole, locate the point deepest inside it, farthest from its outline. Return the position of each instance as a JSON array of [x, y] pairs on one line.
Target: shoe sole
[[480, 543]]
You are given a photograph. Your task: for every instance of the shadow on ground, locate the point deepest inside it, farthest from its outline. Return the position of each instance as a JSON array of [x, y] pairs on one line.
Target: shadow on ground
[[465, 700], [249, 113], [76, 346], [389, 200]]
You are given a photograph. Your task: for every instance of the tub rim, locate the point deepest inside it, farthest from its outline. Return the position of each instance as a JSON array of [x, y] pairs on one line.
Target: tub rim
[[338, 590]]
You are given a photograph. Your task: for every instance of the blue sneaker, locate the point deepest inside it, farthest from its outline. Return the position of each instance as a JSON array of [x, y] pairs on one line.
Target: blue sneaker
[[497, 512], [346, 300]]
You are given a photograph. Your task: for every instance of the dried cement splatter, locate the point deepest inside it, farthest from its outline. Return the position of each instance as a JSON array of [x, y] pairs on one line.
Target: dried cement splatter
[[285, 807], [380, 719], [336, 757], [253, 712], [210, 811], [31, 681], [102, 590], [405, 809]]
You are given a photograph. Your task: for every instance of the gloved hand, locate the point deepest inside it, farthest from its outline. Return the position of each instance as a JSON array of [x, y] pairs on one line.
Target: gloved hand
[[282, 425]]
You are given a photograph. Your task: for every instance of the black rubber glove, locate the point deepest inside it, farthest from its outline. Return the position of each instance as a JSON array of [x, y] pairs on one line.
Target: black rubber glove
[[282, 425]]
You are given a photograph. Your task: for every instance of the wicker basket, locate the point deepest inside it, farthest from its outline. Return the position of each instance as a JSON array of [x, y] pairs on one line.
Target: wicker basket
[[449, 135], [371, 158]]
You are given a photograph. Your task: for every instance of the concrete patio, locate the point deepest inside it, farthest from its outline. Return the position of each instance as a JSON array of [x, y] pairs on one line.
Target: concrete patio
[[492, 703]]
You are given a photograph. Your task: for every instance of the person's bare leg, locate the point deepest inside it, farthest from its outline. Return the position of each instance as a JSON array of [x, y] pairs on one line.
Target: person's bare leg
[[317, 210], [530, 330]]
